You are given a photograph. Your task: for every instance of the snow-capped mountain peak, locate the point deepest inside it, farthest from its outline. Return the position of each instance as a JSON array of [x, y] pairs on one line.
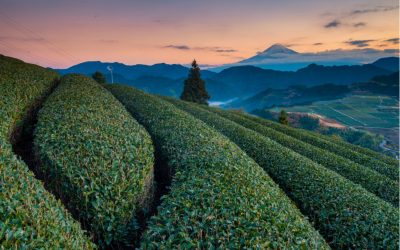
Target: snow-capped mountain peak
[[274, 52], [278, 49]]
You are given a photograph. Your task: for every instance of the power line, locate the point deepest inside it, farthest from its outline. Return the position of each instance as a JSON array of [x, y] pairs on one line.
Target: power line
[[32, 56], [32, 35], [29, 54]]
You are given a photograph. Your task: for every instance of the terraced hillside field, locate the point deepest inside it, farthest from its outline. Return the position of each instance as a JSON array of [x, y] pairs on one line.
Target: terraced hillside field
[[87, 166]]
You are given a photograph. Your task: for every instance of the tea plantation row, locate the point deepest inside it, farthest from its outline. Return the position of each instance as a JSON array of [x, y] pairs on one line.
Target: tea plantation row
[[346, 214], [380, 164], [219, 196], [96, 157], [371, 180], [30, 217]]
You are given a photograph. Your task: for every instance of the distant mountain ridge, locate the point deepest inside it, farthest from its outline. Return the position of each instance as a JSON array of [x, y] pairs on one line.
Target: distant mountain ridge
[[388, 63], [280, 57], [238, 81], [173, 71], [250, 79]]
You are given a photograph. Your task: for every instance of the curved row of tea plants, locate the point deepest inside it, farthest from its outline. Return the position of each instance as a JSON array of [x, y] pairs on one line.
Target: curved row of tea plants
[[30, 217], [346, 214], [96, 157], [219, 197], [391, 171], [371, 180], [22, 86]]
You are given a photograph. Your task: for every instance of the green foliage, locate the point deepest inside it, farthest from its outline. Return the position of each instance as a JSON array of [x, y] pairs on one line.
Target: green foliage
[[96, 157], [378, 162], [344, 213], [283, 119], [364, 140], [357, 137], [219, 197], [99, 77], [30, 217], [308, 122], [371, 180], [194, 89], [361, 142]]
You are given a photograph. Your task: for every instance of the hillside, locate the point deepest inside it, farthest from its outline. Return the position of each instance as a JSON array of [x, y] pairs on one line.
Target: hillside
[[237, 81], [290, 96], [172, 71], [249, 79], [380, 85], [112, 167], [358, 109], [173, 87], [387, 85], [388, 63]]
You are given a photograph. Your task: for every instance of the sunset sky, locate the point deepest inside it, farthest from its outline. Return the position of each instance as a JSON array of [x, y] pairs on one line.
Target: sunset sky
[[62, 33]]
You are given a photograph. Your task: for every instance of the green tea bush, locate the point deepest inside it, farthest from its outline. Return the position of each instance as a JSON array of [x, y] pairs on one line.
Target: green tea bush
[[346, 214], [340, 148], [96, 157], [22, 87], [371, 180], [219, 197], [30, 217]]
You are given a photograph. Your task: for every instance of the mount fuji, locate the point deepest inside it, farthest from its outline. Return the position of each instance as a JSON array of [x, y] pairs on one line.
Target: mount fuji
[[276, 51]]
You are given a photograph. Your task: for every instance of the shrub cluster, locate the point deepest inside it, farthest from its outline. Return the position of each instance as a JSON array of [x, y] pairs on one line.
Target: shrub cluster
[[340, 148], [371, 180], [346, 214], [96, 157], [368, 152], [30, 217], [219, 197]]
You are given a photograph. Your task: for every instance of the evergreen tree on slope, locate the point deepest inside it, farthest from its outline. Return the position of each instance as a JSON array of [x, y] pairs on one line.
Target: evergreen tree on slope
[[194, 89]]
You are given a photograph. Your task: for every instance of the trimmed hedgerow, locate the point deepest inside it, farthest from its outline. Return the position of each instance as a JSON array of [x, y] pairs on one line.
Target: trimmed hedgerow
[[346, 214], [96, 157], [30, 217], [219, 197], [343, 149], [371, 180], [22, 86]]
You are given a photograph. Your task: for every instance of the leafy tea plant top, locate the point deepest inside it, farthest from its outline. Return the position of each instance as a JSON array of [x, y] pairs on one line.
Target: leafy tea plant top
[[96, 156]]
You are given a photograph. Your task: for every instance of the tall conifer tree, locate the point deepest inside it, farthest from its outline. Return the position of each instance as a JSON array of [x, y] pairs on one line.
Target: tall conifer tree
[[194, 89]]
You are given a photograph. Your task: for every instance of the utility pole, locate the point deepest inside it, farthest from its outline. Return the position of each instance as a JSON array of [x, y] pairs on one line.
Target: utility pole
[[109, 67]]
